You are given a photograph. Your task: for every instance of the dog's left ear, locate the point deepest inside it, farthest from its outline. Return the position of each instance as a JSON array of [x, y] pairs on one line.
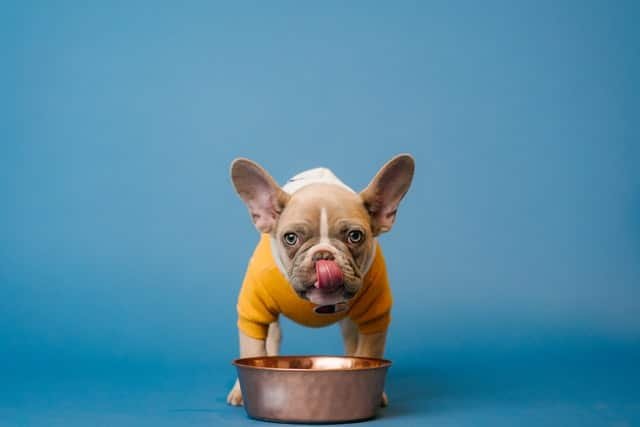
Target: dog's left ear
[[264, 198], [385, 191]]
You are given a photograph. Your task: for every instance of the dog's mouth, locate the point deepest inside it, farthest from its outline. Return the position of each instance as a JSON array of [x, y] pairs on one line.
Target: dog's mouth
[[327, 289], [329, 276]]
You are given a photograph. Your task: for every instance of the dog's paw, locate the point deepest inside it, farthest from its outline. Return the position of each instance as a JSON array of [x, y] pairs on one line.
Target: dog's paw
[[384, 401], [234, 398]]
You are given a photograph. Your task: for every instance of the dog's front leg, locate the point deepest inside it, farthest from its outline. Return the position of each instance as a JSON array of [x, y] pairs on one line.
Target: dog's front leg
[[372, 345], [251, 347], [349, 336]]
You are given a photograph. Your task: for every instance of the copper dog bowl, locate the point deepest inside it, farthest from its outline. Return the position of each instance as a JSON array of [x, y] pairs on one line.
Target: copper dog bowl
[[311, 389]]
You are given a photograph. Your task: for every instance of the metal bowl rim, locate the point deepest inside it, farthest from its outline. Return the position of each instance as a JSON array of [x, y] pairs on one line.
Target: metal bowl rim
[[237, 363]]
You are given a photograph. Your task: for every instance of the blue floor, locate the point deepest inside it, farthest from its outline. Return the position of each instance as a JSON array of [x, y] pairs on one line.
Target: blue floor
[[585, 383]]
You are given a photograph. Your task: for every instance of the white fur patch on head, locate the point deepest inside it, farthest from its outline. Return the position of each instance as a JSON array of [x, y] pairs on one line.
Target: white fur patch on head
[[313, 176]]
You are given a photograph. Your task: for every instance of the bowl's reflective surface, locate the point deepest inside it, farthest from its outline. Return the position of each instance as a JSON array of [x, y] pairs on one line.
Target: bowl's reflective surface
[[311, 388], [322, 363]]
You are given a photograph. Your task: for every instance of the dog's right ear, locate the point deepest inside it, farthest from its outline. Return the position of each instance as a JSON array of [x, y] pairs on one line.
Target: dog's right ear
[[383, 195], [262, 195]]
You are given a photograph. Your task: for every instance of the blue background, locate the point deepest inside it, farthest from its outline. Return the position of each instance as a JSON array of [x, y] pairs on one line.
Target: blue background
[[515, 261]]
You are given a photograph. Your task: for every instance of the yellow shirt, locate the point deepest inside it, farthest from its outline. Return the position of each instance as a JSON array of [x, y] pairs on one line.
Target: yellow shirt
[[266, 293]]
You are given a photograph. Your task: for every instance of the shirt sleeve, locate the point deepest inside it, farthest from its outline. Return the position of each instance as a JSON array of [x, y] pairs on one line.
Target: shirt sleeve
[[372, 313], [255, 307]]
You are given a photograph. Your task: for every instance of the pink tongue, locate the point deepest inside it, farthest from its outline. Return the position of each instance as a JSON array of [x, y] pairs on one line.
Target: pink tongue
[[328, 274]]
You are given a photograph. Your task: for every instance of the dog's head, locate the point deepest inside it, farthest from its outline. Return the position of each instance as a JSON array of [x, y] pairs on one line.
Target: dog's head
[[323, 234]]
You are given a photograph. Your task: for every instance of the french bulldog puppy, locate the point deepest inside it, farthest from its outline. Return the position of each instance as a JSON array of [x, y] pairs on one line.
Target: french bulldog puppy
[[318, 261]]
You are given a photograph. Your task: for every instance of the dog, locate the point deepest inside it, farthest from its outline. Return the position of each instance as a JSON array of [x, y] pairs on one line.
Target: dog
[[318, 261]]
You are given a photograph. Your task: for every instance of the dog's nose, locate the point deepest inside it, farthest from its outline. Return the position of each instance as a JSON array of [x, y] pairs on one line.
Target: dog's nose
[[322, 254]]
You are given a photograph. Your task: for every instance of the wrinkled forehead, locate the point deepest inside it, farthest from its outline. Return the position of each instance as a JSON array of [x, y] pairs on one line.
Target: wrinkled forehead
[[339, 204]]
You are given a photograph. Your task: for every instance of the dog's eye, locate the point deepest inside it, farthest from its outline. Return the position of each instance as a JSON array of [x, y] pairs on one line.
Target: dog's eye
[[290, 238], [355, 236]]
